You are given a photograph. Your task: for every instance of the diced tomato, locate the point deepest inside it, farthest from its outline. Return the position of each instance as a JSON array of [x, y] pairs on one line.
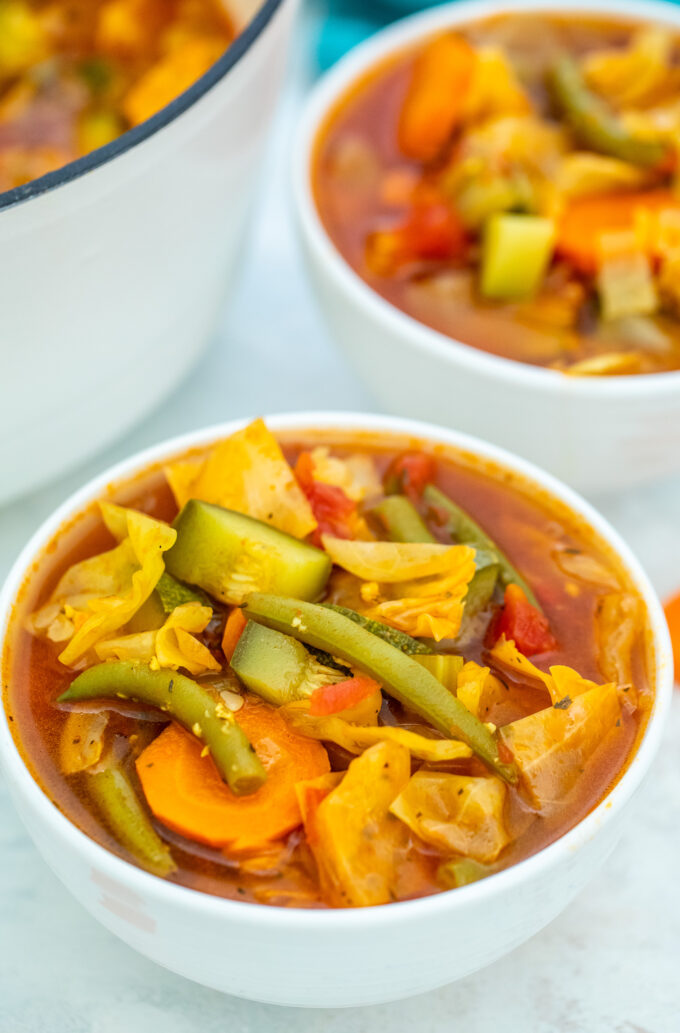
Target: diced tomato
[[672, 610], [430, 231], [332, 508], [524, 624], [233, 630], [412, 471], [331, 699], [433, 231]]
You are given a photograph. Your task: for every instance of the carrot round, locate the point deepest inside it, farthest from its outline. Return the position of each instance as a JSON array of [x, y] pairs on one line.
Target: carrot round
[[436, 96], [233, 630], [186, 793], [586, 219], [672, 611]]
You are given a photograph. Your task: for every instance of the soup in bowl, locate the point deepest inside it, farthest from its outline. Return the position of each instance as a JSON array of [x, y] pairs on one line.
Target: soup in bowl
[[510, 182], [282, 680], [487, 203]]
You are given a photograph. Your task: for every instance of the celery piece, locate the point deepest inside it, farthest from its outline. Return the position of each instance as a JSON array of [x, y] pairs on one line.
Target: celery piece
[[517, 250]]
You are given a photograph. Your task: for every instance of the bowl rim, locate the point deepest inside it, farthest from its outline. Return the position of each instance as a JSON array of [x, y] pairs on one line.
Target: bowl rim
[[138, 134], [323, 98], [158, 890]]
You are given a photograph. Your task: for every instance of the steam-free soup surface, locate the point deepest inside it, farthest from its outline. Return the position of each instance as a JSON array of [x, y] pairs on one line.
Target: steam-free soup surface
[[76, 74], [512, 183], [312, 835]]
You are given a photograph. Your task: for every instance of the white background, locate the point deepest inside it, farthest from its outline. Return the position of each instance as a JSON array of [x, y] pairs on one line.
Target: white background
[[611, 964]]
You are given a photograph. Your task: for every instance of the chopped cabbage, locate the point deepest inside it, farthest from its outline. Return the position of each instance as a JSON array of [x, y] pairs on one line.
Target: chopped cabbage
[[172, 646], [582, 173], [99, 595], [552, 746], [455, 813], [560, 682], [355, 474], [249, 473], [417, 588], [634, 74], [354, 837], [357, 738]]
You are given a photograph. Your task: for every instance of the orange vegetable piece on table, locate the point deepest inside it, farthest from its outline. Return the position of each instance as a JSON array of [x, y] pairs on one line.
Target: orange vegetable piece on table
[[436, 96], [186, 793], [586, 220], [672, 610]]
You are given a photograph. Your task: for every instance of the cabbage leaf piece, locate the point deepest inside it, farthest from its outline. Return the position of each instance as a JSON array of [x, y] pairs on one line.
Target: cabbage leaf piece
[[249, 473], [495, 89], [455, 813], [473, 682], [635, 74], [82, 740], [355, 474], [561, 682], [99, 595], [552, 746], [418, 588], [356, 738], [619, 622], [172, 646], [354, 837]]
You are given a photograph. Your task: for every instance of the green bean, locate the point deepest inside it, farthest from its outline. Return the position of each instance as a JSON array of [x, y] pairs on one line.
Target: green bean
[[399, 639], [189, 703], [401, 520], [124, 814], [481, 588], [467, 531], [594, 124], [400, 675]]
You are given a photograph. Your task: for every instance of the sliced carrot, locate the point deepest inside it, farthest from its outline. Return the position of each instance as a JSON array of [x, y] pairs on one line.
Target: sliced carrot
[[436, 96], [186, 793], [331, 699], [672, 610], [586, 219], [233, 630]]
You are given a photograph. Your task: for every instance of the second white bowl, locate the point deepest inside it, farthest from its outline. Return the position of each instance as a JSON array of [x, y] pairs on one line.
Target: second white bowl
[[598, 434]]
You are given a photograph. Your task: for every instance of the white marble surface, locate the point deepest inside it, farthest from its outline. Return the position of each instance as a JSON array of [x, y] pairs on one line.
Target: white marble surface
[[611, 964]]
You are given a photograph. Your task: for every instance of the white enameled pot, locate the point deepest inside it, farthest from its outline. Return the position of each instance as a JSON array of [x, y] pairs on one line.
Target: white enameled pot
[[339, 957], [115, 268], [599, 434]]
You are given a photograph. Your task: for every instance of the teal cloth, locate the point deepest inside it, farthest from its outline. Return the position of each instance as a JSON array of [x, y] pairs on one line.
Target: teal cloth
[[348, 22]]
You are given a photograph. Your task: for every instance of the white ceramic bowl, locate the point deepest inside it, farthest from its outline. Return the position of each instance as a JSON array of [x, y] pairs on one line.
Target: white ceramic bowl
[[342, 957], [598, 433], [115, 268]]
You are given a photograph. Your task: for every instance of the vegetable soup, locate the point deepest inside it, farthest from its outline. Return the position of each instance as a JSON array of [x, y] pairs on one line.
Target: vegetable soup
[[76, 74], [513, 185], [326, 670]]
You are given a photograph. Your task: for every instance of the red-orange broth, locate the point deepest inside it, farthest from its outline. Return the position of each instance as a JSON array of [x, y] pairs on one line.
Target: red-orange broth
[[539, 537]]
